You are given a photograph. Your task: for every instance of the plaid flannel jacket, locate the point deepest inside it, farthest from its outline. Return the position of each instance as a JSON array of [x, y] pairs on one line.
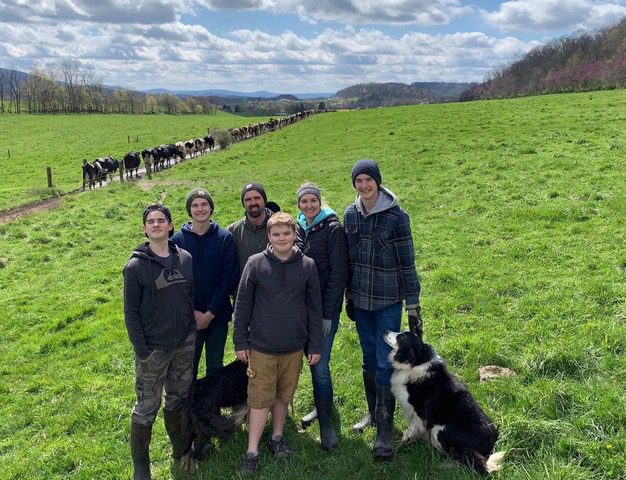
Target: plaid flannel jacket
[[382, 259]]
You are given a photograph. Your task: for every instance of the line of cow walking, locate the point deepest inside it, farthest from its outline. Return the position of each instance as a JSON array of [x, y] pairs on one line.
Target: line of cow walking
[[164, 156]]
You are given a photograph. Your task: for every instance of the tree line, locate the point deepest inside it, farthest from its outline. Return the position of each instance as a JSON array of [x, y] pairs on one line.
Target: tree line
[[578, 62], [72, 88]]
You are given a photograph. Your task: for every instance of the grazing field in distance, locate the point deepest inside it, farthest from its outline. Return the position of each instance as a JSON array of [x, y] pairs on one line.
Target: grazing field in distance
[[30, 143], [517, 212]]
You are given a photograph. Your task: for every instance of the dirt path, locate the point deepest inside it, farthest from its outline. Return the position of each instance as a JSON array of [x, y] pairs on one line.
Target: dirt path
[[14, 213]]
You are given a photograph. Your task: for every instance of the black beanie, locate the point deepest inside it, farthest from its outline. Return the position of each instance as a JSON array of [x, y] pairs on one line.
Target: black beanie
[[257, 187], [368, 167], [198, 193]]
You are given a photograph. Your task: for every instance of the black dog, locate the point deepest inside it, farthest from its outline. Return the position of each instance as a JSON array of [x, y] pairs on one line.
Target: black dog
[[438, 405], [227, 387]]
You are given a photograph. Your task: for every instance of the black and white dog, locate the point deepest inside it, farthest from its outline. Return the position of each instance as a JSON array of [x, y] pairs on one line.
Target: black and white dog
[[438, 406], [227, 387]]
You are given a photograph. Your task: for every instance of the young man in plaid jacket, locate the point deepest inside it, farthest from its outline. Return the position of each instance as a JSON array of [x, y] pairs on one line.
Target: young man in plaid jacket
[[382, 276]]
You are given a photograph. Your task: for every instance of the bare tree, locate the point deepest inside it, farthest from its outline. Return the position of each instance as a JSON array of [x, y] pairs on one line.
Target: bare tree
[[16, 83], [70, 71], [4, 78]]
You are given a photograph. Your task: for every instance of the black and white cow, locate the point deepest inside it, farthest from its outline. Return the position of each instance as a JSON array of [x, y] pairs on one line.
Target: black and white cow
[[107, 166], [131, 164]]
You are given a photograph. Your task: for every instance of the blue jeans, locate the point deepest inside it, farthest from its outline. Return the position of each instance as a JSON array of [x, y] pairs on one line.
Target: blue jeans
[[320, 372], [213, 340], [371, 326]]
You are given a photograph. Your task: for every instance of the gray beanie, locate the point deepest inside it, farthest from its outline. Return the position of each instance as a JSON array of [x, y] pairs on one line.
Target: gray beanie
[[311, 188], [198, 193]]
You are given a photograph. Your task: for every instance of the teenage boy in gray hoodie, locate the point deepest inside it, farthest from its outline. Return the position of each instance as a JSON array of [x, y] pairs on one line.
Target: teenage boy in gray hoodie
[[159, 317], [278, 317]]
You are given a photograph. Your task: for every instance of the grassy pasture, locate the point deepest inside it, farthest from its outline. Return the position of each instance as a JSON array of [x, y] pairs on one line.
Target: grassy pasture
[[517, 211], [63, 141]]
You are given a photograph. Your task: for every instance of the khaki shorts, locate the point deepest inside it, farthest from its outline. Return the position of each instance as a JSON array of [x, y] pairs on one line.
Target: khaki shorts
[[274, 376]]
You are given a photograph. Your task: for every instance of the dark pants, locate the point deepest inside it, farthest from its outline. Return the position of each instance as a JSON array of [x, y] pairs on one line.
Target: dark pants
[[169, 369], [213, 340]]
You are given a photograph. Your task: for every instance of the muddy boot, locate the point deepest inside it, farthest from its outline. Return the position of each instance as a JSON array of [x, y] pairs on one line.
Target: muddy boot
[[385, 406], [328, 436], [140, 436], [370, 396], [178, 428], [309, 418]]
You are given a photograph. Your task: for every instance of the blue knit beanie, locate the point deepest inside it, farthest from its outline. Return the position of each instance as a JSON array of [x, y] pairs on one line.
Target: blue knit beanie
[[368, 167]]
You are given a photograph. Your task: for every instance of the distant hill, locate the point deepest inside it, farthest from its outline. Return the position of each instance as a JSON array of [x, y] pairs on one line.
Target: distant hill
[[574, 63], [388, 94], [7, 72], [235, 94]]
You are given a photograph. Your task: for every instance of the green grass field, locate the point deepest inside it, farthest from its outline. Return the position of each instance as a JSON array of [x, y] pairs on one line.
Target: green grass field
[[517, 212], [30, 143]]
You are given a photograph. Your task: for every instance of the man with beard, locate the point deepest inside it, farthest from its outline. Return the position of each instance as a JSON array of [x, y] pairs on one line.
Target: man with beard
[[250, 232]]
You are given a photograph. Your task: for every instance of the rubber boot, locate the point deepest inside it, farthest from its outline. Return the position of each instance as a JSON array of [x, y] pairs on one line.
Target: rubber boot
[[385, 406], [140, 436], [328, 436], [370, 395], [178, 428]]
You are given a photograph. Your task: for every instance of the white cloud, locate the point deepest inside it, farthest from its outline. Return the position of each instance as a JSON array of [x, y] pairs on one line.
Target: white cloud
[[175, 55], [546, 15], [394, 12], [146, 43], [96, 11]]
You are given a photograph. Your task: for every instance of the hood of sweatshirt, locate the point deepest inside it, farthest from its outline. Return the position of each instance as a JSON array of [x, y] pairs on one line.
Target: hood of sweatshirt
[[386, 200], [187, 228], [296, 255], [143, 251], [319, 218]]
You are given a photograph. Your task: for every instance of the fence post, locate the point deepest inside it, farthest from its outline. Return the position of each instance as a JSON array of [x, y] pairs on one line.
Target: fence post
[[49, 173], [129, 139], [9, 152], [122, 171]]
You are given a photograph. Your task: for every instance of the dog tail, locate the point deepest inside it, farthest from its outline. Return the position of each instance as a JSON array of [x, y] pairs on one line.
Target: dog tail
[[494, 462]]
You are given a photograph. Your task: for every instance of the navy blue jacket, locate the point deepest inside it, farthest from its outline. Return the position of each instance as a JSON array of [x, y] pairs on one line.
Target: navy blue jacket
[[215, 268]]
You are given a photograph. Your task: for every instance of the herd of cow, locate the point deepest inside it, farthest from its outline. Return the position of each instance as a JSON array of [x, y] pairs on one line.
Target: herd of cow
[[163, 156]]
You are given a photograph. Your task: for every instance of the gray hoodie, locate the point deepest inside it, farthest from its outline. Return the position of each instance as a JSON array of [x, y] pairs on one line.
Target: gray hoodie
[[158, 304], [279, 306]]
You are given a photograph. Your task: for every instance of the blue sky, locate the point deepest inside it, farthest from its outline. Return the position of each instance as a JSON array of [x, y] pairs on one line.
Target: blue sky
[[285, 46]]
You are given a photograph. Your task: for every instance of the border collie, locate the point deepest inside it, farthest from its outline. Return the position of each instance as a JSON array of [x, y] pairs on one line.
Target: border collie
[[439, 408], [226, 387]]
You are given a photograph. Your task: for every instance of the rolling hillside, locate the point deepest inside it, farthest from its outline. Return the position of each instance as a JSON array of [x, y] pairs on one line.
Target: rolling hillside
[[517, 211]]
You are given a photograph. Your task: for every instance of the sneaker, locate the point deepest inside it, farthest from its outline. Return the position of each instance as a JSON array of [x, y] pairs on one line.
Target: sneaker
[[279, 447], [249, 463]]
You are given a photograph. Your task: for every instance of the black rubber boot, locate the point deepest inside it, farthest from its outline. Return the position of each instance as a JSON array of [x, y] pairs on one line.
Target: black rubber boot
[[140, 436], [178, 428], [370, 395], [328, 436], [385, 406]]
